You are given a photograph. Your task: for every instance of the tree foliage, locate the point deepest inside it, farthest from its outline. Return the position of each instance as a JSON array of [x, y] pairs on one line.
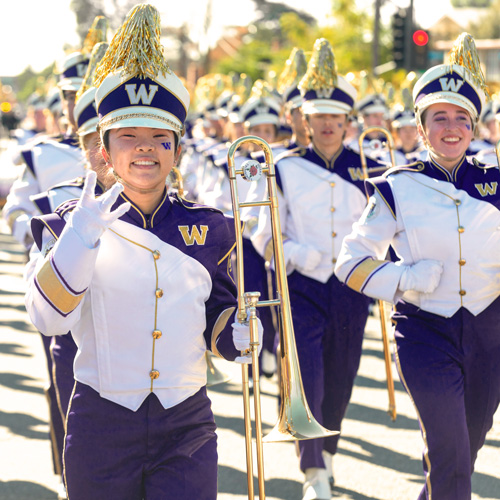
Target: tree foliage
[[271, 41], [87, 10], [488, 25], [471, 3]]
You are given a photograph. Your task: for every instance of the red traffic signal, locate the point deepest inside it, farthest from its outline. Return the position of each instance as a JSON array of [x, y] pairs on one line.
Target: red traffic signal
[[420, 37]]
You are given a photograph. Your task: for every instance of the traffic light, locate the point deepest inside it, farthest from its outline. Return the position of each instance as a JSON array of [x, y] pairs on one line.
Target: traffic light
[[398, 26], [420, 50]]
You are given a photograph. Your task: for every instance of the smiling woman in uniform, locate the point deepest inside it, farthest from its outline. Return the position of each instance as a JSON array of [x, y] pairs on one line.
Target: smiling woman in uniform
[[442, 217], [143, 280]]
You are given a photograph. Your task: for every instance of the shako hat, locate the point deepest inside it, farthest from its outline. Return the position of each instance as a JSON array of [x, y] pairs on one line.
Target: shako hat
[[85, 111], [295, 68], [403, 118], [74, 65], [372, 103], [71, 71], [322, 90], [135, 86], [262, 106]]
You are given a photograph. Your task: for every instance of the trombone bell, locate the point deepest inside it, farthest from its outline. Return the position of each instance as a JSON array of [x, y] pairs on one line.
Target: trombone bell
[[295, 421], [214, 375]]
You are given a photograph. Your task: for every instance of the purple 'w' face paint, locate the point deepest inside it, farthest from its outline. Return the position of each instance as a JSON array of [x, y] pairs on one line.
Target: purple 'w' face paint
[[468, 126], [167, 145]]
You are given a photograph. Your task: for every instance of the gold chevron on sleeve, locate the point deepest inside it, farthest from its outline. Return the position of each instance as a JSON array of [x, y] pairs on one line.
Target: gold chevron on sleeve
[[219, 326], [55, 291], [363, 272]]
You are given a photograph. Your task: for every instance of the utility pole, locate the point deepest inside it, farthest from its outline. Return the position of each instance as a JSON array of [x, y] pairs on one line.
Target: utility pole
[[206, 30], [408, 36], [376, 33]]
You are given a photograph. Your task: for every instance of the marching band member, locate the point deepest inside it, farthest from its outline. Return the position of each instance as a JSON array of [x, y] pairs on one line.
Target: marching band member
[[48, 162], [442, 218], [373, 111], [322, 194], [143, 281], [53, 159], [294, 70], [260, 116], [61, 350], [488, 153], [53, 112], [408, 141], [488, 131]]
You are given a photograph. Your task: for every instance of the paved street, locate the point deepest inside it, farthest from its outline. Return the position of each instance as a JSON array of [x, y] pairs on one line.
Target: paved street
[[378, 459]]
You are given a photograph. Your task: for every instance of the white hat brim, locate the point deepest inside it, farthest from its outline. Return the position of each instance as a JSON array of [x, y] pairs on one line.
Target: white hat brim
[[325, 106], [449, 98]]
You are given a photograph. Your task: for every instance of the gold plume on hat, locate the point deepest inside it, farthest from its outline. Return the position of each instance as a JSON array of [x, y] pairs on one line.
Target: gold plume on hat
[[322, 70], [210, 87], [261, 89], [464, 53], [95, 58], [294, 70], [135, 49], [97, 33]]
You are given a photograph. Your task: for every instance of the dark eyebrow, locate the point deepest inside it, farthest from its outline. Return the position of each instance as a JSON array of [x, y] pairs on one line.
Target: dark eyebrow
[[461, 111]]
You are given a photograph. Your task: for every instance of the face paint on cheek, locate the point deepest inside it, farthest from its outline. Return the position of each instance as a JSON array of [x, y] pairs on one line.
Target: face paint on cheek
[[339, 125], [467, 126], [167, 145]]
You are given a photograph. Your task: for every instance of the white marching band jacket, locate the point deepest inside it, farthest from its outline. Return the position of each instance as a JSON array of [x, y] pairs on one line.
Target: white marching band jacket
[[47, 163], [425, 212], [144, 305], [318, 202]]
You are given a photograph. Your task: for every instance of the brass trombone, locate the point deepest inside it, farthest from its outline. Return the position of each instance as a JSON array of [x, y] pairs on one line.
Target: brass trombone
[[381, 307], [295, 421]]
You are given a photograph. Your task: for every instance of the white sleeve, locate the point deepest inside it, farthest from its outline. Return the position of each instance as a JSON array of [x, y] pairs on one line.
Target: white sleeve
[[262, 235], [19, 204], [58, 279], [362, 263]]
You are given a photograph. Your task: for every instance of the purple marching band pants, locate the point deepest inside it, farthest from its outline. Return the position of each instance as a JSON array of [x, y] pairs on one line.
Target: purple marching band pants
[[450, 368], [113, 452], [329, 321]]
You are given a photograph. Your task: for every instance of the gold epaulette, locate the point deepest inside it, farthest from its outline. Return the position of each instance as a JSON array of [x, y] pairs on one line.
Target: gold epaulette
[[481, 165], [190, 205], [416, 166], [295, 152]]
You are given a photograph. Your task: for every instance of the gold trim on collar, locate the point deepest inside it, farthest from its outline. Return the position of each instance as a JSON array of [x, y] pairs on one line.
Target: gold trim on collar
[[145, 224], [329, 163], [158, 208]]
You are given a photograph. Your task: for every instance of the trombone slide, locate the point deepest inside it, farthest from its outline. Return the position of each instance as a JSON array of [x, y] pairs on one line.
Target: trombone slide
[[383, 323]]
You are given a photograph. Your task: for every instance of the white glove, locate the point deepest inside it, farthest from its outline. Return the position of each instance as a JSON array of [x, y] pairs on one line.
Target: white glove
[[241, 339], [21, 230], [92, 216], [423, 276], [303, 257]]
